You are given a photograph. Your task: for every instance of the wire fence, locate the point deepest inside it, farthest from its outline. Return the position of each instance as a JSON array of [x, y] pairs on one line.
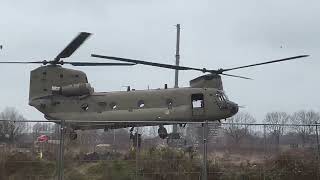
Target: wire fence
[[36, 150]]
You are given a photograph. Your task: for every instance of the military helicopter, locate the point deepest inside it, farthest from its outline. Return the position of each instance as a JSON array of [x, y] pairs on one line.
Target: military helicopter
[[65, 94]]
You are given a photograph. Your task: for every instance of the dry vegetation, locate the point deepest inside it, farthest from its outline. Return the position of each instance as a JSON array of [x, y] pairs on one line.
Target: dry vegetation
[[164, 163], [237, 152]]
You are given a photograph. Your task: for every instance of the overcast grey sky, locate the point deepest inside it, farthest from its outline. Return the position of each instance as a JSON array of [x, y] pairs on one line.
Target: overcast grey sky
[[214, 34]]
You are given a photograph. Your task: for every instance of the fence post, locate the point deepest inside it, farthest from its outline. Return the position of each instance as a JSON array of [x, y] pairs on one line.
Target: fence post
[[137, 148], [318, 145], [318, 151], [204, 136], [2, 165], [265, 150], [61, 151]]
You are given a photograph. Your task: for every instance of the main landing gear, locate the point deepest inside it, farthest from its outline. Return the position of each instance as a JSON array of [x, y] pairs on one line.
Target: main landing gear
[[131, 134], [69, 131], [73, 135], [135, 138], [162, 132]]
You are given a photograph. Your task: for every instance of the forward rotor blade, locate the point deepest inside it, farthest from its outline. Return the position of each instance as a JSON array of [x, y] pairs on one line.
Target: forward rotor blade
[[20, 62], [219, 71], [98, 64], [236, 76], [72, 46], [268, 62], [168, 66]]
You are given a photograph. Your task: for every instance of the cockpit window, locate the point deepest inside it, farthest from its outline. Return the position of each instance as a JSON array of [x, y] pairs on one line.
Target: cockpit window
[[221, 99], [221, 96], [225, 96]]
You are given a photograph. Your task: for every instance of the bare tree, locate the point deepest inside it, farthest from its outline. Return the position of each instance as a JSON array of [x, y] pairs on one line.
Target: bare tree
[[305, 118], [194, 133], [239, 127], [275, 119], [11, 128], [45, 128], [151, 131]]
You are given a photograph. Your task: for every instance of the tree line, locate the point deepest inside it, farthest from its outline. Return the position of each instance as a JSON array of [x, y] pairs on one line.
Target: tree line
[[304, 119], [302, 123]]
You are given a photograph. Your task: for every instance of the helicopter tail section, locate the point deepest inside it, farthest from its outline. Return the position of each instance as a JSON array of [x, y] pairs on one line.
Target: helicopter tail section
[[53, 79]]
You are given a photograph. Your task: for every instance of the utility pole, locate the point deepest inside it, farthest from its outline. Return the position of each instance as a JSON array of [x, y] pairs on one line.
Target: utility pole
[[176, 77]]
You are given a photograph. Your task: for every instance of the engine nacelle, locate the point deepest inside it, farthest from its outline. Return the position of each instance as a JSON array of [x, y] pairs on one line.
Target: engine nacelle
[[79, 89]]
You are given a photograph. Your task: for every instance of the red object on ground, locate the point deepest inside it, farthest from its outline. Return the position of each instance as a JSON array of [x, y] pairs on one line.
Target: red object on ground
[[43, 138]]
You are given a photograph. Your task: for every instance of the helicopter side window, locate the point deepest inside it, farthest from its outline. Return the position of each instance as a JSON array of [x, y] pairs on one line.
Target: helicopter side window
[[197, 101], [85, 106], [113, 106], [141, 104]]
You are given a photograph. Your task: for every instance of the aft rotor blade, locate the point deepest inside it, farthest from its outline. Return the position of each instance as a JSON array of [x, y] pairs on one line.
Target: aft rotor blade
[[263, 63], [98, 64], [72, 46], [236, 76], [168, 66]]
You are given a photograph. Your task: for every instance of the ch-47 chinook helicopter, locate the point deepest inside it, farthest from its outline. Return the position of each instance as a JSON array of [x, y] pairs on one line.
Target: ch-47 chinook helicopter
[[65, 94]]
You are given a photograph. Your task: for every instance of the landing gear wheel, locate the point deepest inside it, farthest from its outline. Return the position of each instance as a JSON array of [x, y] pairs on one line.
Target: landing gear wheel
[[131, 134], [162, 132], [73, 135]]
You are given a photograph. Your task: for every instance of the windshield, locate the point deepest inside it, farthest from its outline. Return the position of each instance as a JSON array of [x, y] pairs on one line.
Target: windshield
[[221, 96]]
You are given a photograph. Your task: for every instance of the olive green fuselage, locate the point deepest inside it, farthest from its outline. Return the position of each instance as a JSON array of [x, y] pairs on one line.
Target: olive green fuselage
[[141, 105], [173, 104]]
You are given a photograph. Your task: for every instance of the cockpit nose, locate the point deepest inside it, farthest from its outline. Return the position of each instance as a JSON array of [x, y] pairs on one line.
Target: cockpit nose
[[234, 108]]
